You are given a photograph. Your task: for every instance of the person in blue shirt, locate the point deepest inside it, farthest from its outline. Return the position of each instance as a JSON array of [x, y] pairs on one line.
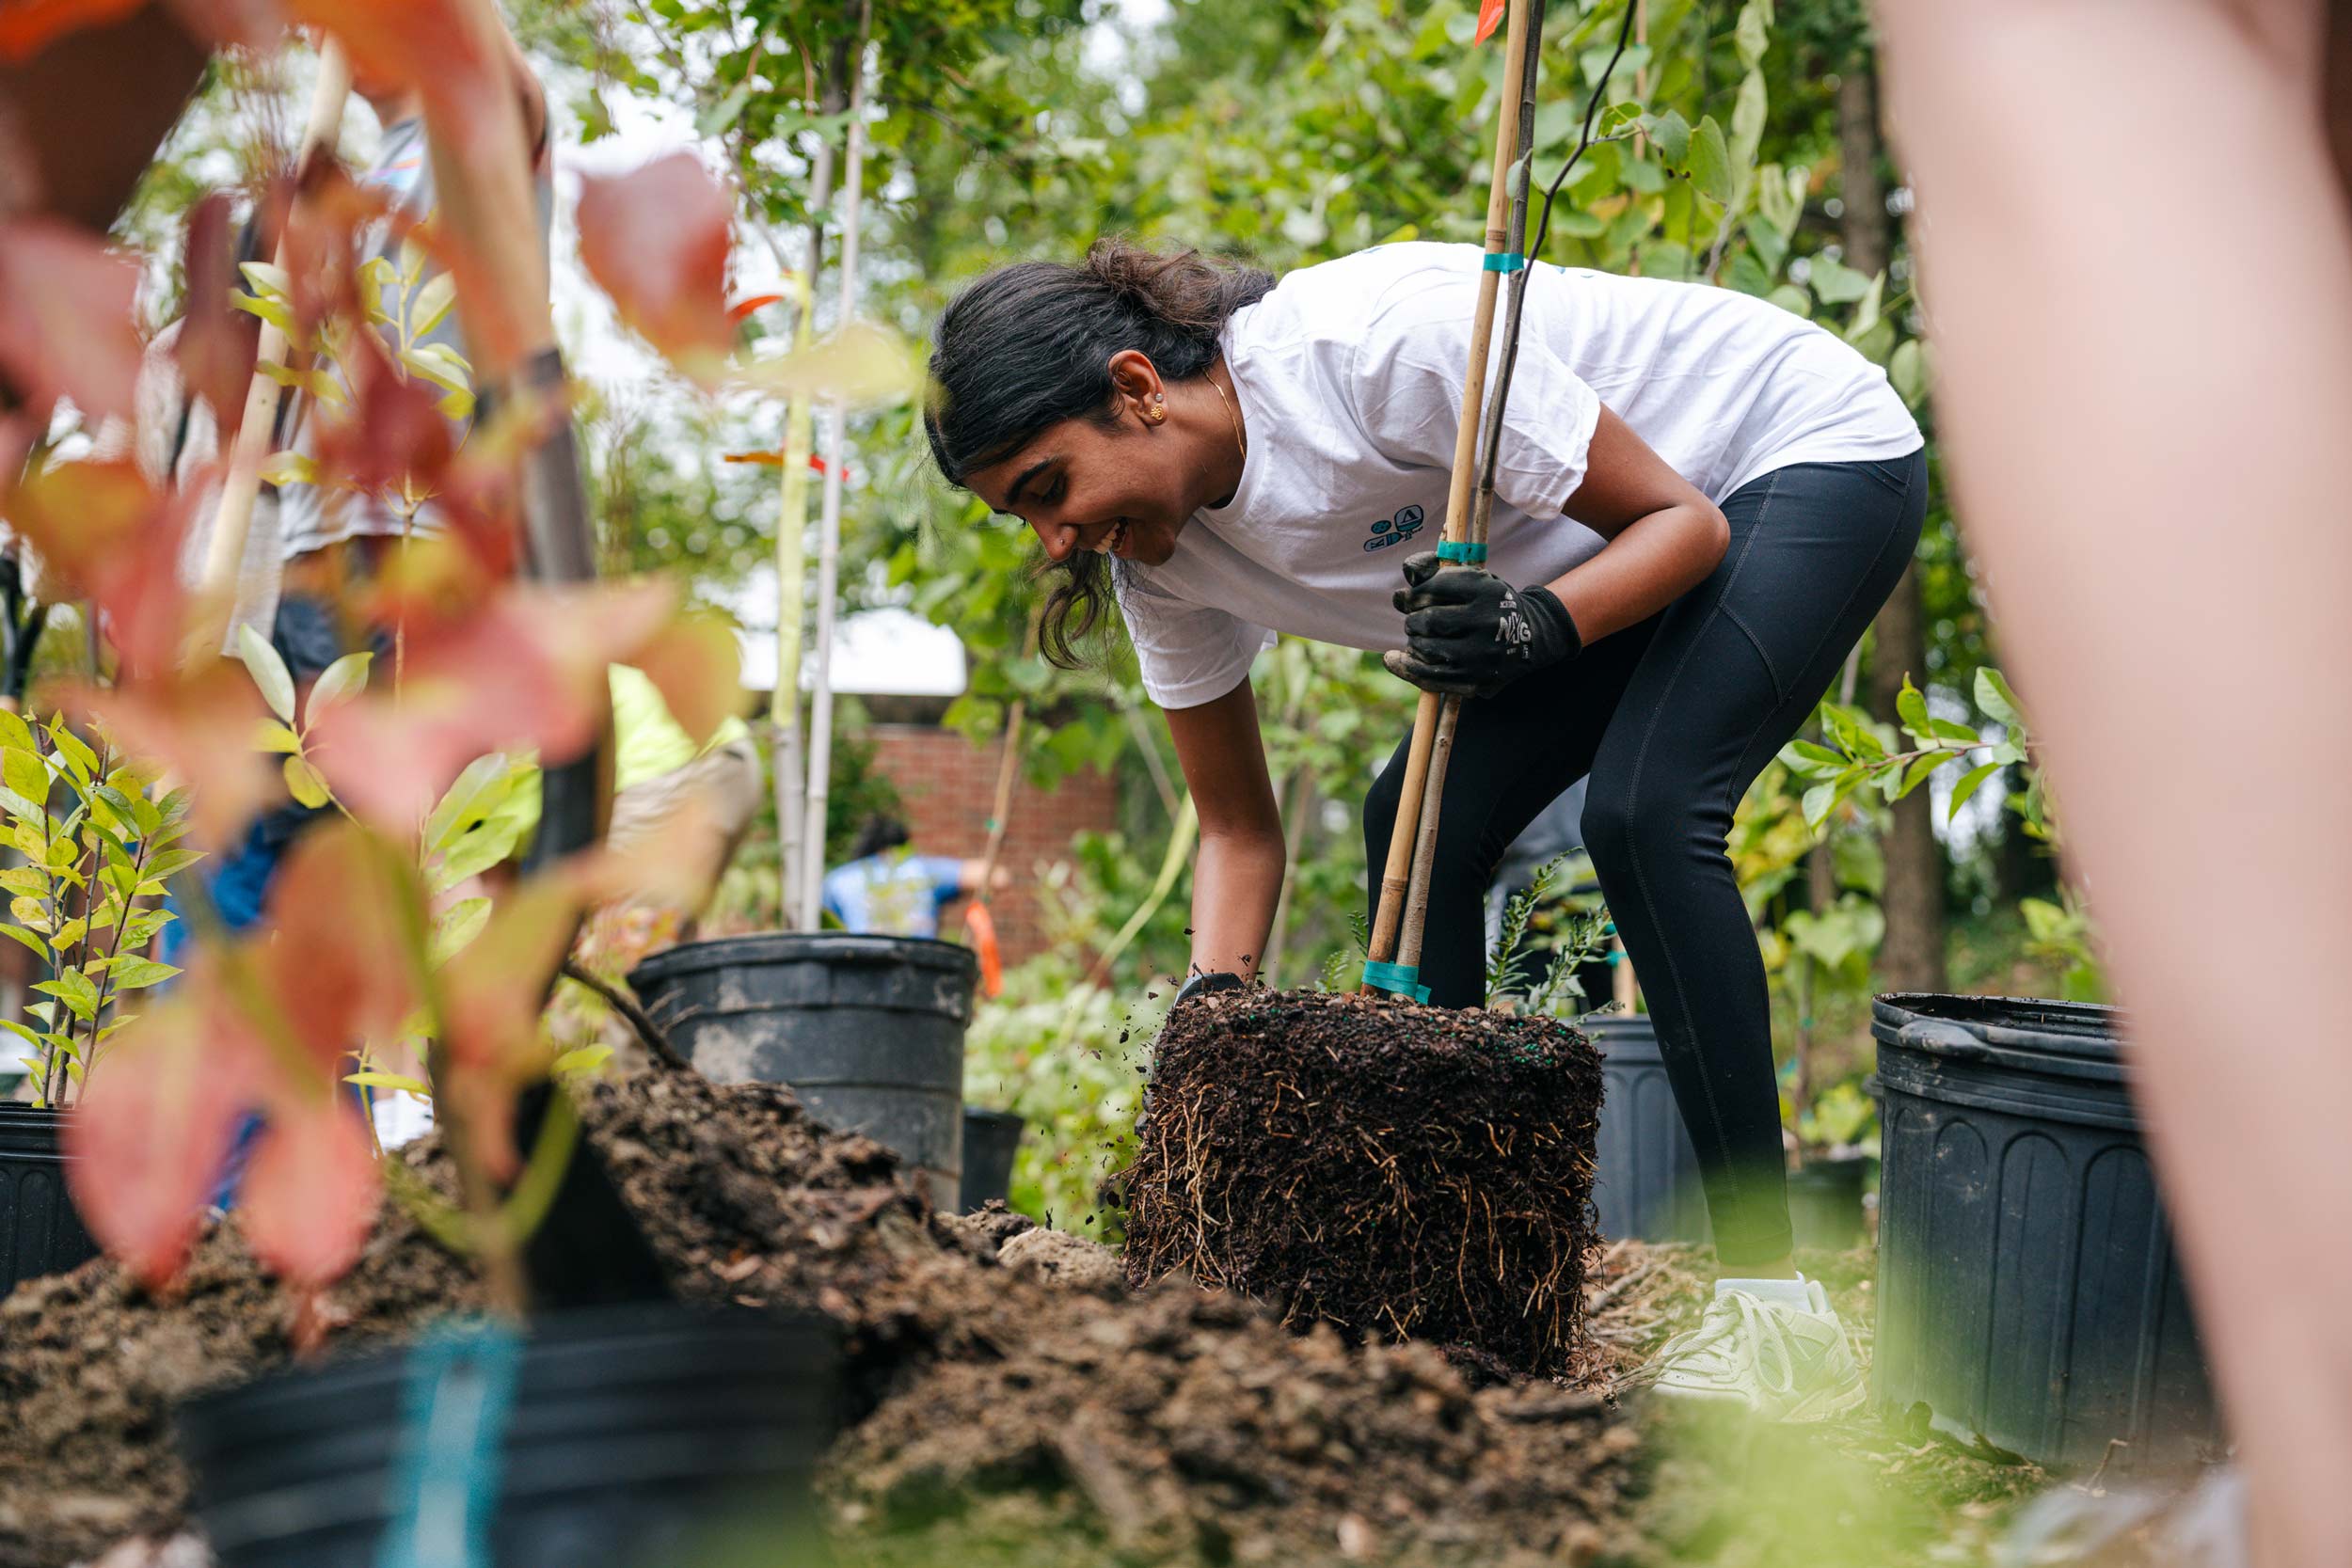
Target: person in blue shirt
[[892, 891]]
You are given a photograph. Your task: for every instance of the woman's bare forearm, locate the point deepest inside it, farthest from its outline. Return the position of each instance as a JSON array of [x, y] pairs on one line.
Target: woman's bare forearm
[[1238, 875], [1235, 883], [1653, 563]]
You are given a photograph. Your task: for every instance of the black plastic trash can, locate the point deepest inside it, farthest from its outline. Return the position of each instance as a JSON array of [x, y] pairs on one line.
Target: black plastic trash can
[[41, 1233], [1645, 1183], [868, 1030], [992, 1141], [2029, 1290], [612, 1438]]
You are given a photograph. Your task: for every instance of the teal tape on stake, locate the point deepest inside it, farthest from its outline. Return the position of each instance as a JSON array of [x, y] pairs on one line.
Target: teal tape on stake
[[1396, 979], [447, 1473], [1463, 550], [1504, 261]]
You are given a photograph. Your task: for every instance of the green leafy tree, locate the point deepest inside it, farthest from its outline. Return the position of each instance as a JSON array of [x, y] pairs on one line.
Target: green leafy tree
[[86, 895]]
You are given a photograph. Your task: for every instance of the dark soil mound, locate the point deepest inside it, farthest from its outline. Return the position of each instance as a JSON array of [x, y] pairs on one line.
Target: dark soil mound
[[1396, 1170], [1181, 1428], [1209, 1434]]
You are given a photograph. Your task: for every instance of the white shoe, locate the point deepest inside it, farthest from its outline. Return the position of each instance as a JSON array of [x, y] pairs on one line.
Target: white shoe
[[1781, 1361]]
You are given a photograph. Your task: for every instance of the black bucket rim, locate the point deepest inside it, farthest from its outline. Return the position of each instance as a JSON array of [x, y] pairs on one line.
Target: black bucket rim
[[755, 948], [2066, 1039], [380, 1357], [994, 1116]]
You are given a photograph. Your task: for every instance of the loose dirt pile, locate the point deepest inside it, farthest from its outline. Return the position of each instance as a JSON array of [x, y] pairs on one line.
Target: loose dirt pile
[[1396, 1170], [1030, 1400]]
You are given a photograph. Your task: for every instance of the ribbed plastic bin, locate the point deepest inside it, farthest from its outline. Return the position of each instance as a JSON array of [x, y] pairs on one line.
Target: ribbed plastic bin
[[2028, 1289], [868, 1030], [1647, 1174], [615, 1439], [40, 1232]]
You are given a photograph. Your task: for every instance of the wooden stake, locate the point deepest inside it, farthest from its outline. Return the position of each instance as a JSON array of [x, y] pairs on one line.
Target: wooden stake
[[1396, 929], [224, 552]]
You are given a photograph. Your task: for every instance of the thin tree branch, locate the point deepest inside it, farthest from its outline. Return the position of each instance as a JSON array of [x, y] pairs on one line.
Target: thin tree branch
[[638, 1019]]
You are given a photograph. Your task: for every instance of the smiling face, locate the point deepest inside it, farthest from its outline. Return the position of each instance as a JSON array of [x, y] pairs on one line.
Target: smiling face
[[1123, 486]]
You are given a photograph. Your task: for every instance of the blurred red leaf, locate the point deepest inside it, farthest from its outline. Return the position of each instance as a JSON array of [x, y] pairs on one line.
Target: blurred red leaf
[[113, 537], [492, 992], [525, 668], [740, 310], [154, 1124], [249, 23], [200, 730], [335, 960], [698, 668], [394, 431], [217, 341], [323, 214], [399, 44], [311, 1195], [26, 25], [656, 239], [66, 326], [1490, 15]]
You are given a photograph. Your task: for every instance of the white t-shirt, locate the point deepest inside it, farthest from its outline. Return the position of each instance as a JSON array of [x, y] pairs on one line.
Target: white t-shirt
[[1350, 381]]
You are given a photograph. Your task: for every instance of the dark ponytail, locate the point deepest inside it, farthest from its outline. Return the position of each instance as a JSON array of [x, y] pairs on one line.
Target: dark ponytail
[[1029, 346]]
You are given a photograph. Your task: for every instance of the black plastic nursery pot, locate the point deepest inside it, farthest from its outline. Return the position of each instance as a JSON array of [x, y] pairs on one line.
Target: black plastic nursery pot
[[992, 1141], [1645, 1184], [2028, 1288], [40, 1232], [1825, 1195], [619, 1438], [868, 1030]]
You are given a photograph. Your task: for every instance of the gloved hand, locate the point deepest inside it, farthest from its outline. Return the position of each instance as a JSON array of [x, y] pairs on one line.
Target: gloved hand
[[1470, 634], [1206, 984]]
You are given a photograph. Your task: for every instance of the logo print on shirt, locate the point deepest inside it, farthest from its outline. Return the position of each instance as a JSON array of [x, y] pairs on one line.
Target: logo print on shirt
[[1394, 531]]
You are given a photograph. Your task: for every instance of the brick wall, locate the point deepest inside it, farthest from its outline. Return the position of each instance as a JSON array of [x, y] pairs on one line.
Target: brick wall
[[948, 785]]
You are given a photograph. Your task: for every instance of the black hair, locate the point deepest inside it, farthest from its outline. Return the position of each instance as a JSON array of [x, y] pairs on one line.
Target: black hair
[[882, 831], [1029, 346]]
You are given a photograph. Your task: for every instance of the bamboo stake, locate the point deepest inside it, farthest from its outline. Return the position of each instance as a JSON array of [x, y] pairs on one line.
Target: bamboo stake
[[829, 526], [224, 552], [783, 707], [1396, 883]]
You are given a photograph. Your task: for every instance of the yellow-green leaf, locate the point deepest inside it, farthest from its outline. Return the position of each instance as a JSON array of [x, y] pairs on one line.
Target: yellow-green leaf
[[340, 679], [269, 671], [388, 1081], [267, 278], [26, 773], [304, 782], [271, 735], [431, 304], [291, 468]]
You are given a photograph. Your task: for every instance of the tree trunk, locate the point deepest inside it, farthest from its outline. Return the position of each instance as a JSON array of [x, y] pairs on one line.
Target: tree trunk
[[1864, 226], [1912, 956]]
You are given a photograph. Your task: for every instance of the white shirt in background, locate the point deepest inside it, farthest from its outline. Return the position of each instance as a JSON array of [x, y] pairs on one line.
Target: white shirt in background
[[1350, 381]]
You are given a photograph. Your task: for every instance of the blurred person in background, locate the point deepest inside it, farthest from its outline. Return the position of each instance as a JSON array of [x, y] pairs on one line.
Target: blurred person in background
[[888, 889], [2145, 432]]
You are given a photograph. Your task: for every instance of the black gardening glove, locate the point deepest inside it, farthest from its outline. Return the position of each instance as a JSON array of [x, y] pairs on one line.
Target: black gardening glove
[[1207, 984], [1470, 634]]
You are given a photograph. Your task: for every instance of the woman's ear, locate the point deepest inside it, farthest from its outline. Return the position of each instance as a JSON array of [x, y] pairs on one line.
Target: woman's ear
[[1137, 391]]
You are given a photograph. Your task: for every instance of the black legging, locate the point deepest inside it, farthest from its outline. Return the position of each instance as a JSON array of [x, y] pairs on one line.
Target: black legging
[[1674, 719]]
